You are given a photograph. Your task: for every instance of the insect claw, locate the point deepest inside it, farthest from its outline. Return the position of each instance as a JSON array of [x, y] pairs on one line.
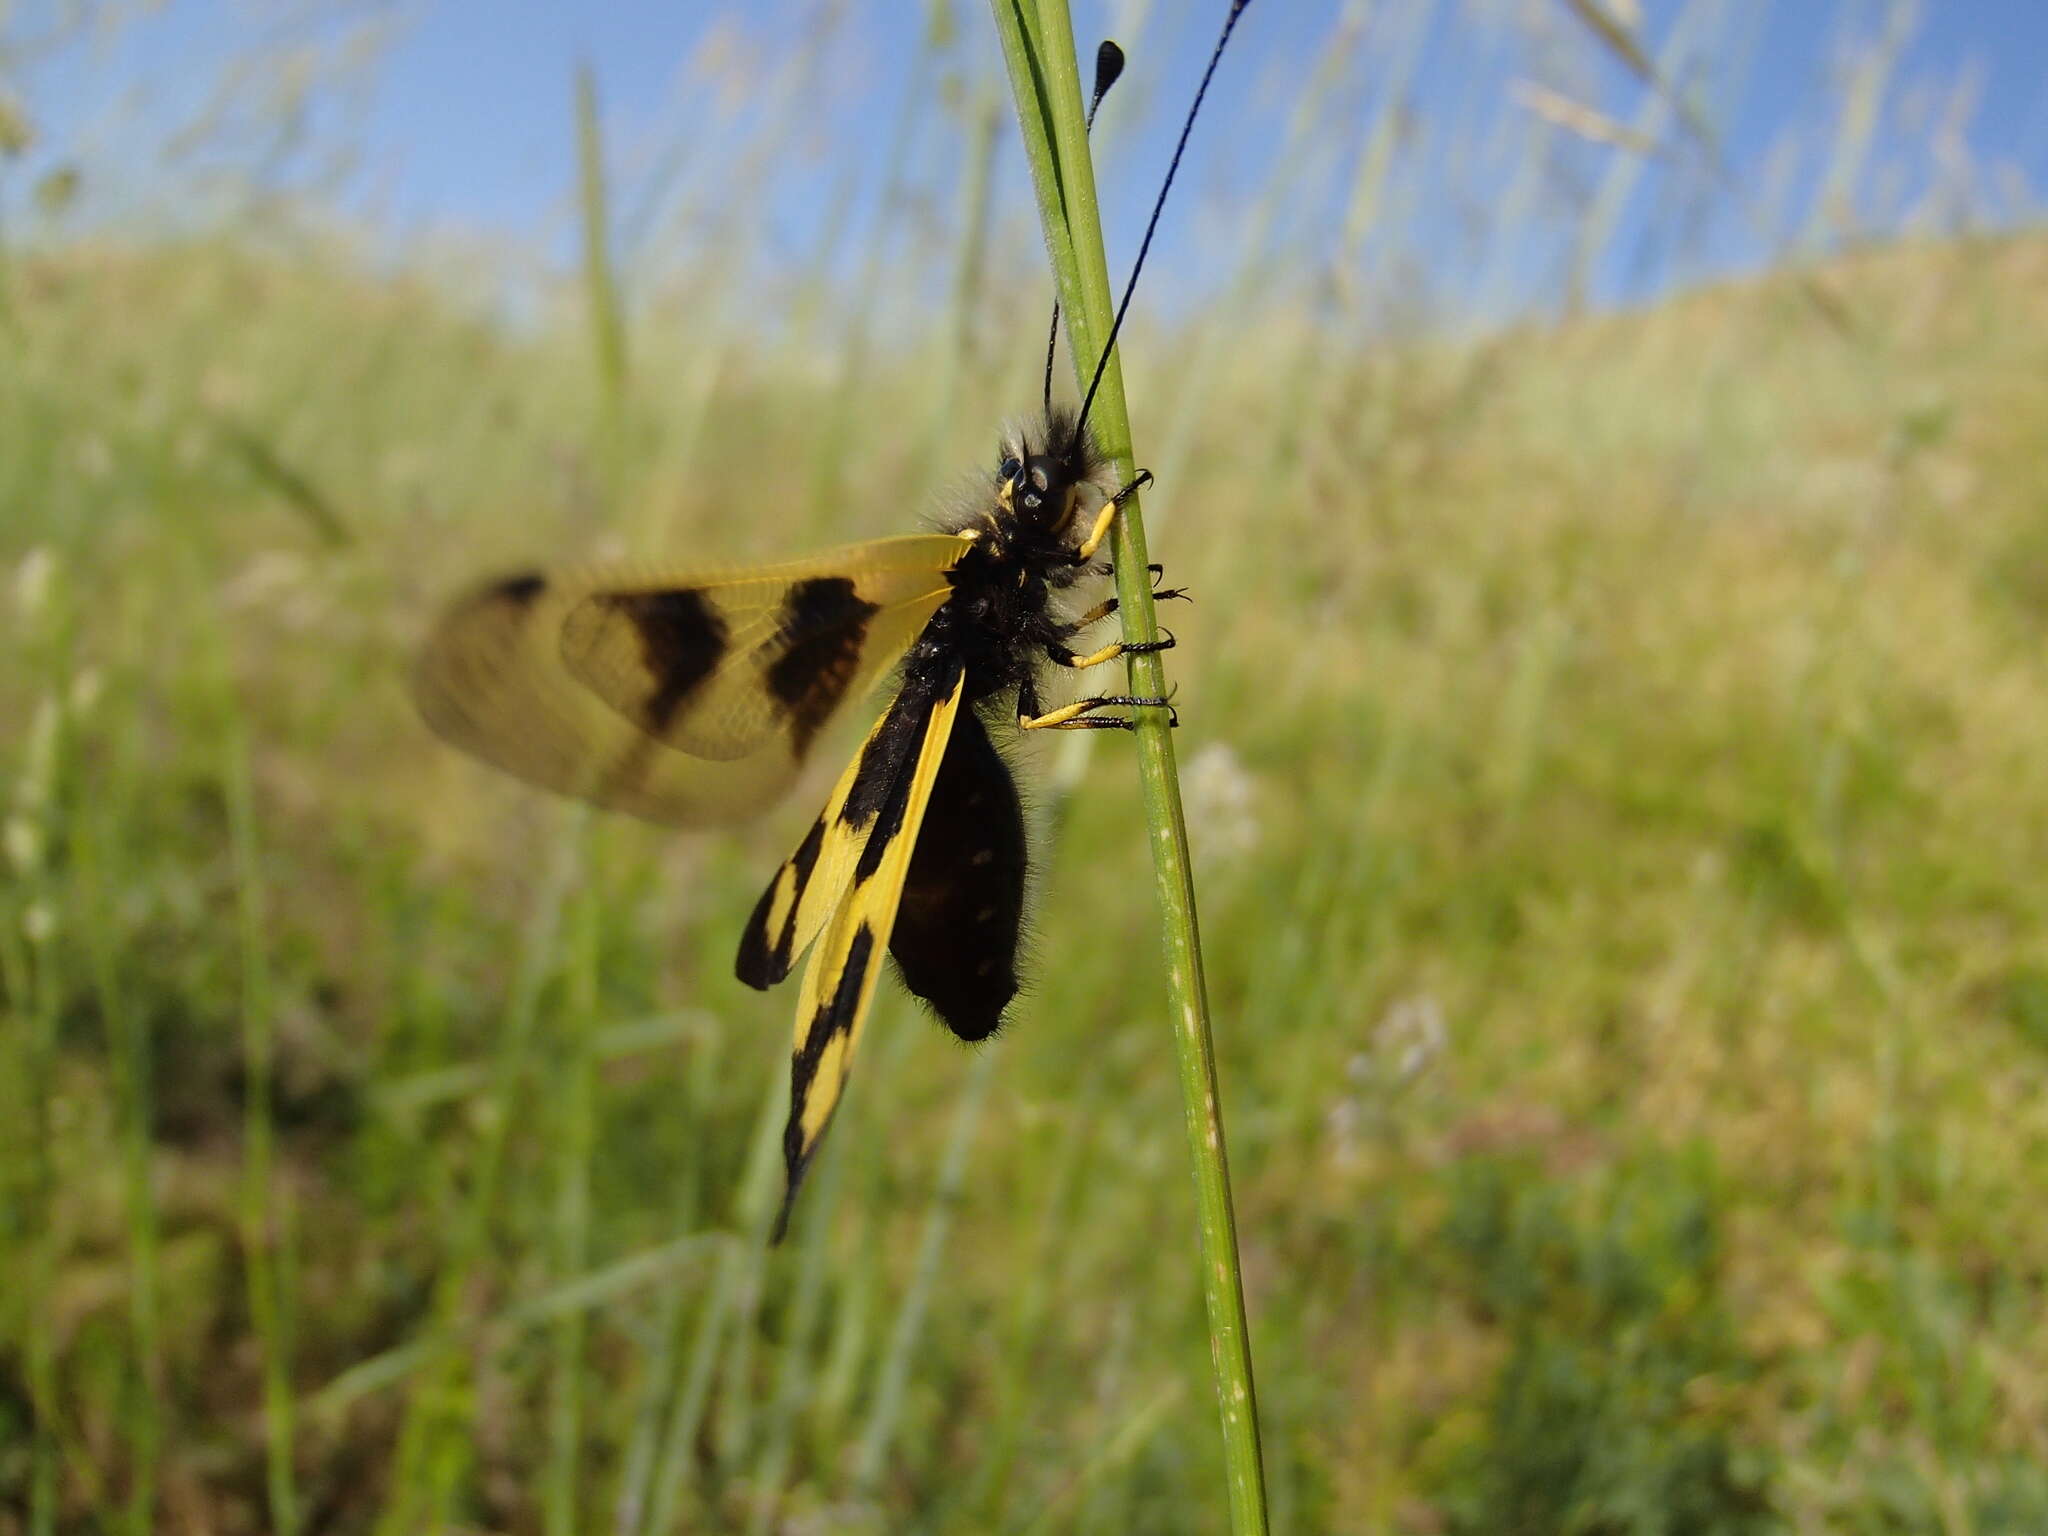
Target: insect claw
[[1146, 647], [1139, 481]]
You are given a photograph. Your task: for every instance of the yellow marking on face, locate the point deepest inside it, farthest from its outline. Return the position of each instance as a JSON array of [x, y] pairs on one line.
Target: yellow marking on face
[[1066, 518]]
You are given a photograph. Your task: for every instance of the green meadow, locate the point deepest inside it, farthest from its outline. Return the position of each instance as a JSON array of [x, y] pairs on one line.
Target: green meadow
[[1614, 759]]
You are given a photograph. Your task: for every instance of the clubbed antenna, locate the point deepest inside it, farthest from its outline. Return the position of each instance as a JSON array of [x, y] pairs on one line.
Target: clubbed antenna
[[1109, 65], [1109, 346]]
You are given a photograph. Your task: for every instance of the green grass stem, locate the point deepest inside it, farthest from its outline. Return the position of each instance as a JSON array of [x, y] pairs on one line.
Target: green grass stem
[[128, 1043], [432, 1451], [575, 1135], [893, 1378], [600, 283], [1045, 79], [25, 974], [261, 1227], [738, 1269], [586, 1292]]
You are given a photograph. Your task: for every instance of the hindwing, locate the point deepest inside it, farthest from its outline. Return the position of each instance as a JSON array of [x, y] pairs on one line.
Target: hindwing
[[810, 882], [890, 787]]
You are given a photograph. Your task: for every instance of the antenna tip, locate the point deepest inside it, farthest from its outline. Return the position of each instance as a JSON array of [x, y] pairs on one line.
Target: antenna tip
[[1109, 65]]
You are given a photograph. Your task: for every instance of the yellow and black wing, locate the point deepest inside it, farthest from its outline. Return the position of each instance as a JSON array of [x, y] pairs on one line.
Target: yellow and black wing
[[881, 809], [683, 697], [810, 882]]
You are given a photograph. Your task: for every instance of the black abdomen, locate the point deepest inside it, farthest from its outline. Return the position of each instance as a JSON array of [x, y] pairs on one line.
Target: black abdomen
[[957, 928]]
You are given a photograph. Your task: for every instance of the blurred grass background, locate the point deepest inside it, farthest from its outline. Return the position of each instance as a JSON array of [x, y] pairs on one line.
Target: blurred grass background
[[1613, 743]]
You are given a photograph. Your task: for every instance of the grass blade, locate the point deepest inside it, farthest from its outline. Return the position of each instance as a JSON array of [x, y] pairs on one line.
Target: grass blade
[[601, 289], [261, 1226], [1045, 79]]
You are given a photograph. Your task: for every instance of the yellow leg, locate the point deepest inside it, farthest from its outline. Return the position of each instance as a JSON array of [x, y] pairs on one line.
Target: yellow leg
[[1109, 652], [1078, 716], [1056, 719], [1103, 522], [1106, 518], [1108, 605], [1062, 657]]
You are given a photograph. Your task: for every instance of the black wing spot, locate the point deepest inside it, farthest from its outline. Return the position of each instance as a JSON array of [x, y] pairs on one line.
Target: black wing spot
[[681, 641], [878, 760], [834, 1017], [846, 996], [801, 864], [888, 827], [881, 784], [824, 627], [762, 962]]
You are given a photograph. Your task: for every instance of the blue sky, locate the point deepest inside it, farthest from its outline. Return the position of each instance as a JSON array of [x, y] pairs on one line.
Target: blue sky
[[454, 116]]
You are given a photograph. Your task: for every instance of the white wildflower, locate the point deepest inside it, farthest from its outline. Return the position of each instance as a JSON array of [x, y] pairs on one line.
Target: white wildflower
[[85, 692], [39, 923], [1408, 1040], [24, 842], [39, 764], [273, 577], [33, 579], [94, 458], [1221, 797]]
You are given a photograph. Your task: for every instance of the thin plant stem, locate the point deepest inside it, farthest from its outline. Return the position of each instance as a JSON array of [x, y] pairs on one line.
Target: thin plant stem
[[433, 1443], [486, 1337], [662, 1387], [1045, 78], [260, 1225], [894, 1374], [753, 1208], [601, 289], [793, 1374], [577, 1132], [33, 973], [129, 1047]]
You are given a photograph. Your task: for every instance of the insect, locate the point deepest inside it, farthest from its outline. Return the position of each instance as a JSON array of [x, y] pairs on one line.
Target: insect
[[696, 697]]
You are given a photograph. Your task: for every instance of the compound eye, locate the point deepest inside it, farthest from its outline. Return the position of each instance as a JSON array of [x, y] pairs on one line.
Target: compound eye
[[1009, 471]]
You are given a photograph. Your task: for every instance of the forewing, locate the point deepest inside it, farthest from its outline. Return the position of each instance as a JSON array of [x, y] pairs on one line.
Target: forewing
[[722, 668], [962, 912], [493, 677], [839, 983]]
